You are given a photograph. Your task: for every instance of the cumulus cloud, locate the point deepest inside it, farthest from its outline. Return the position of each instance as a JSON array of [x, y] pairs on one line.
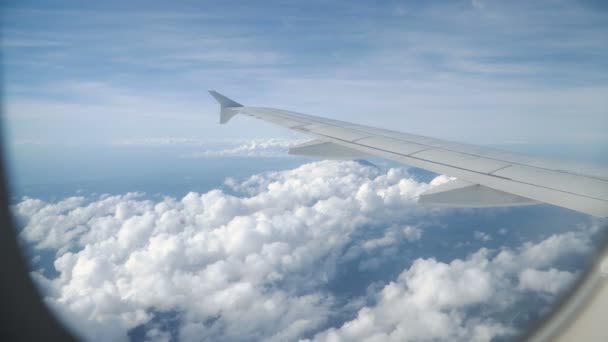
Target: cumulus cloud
[[256, 263], [426, 303], [431, 300], [392, 235], [250, 265], [548, 251], [552, 281]]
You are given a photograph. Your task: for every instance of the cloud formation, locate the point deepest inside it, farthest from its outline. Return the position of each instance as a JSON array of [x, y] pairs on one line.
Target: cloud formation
[[552, 281], [432, 300], [232, 266], [427, 302], [255, 263], [272, 147], [207, 148]]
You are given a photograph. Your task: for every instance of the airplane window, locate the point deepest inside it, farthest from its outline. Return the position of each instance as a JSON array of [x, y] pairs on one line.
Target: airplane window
[[447, 182]]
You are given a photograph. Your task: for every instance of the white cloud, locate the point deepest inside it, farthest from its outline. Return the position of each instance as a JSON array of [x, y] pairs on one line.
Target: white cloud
[[412, 233], [429, 301], [549, 250], [426, 303], [272, 147], [482, 236], [206, 148], [256, 264], [392, 236], [552, 281]]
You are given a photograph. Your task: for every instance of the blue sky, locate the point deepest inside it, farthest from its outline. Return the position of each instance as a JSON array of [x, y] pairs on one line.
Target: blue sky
[[144, 219], [480, 71]]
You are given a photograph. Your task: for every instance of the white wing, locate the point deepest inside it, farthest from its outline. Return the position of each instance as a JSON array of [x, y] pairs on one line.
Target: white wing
[[486, 177]]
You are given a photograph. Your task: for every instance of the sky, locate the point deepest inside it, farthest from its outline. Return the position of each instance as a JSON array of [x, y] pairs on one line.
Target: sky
[[143, 219], [489, 72]]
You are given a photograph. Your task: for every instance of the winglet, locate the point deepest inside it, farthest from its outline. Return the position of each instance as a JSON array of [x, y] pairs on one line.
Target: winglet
[[229, 108]]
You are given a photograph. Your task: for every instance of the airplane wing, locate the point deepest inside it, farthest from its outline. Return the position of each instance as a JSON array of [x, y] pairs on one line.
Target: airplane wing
[[485, 177]]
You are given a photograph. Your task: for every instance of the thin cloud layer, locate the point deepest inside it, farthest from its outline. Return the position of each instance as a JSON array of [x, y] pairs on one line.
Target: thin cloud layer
[[456, 63], [257, 263], [272, 147], [209, 148]]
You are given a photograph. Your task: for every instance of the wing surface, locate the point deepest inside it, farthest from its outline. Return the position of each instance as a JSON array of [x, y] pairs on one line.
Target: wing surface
[[578, 187]]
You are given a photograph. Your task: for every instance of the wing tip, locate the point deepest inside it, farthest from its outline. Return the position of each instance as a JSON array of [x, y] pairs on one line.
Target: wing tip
[[227, 106], [224, 101]]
